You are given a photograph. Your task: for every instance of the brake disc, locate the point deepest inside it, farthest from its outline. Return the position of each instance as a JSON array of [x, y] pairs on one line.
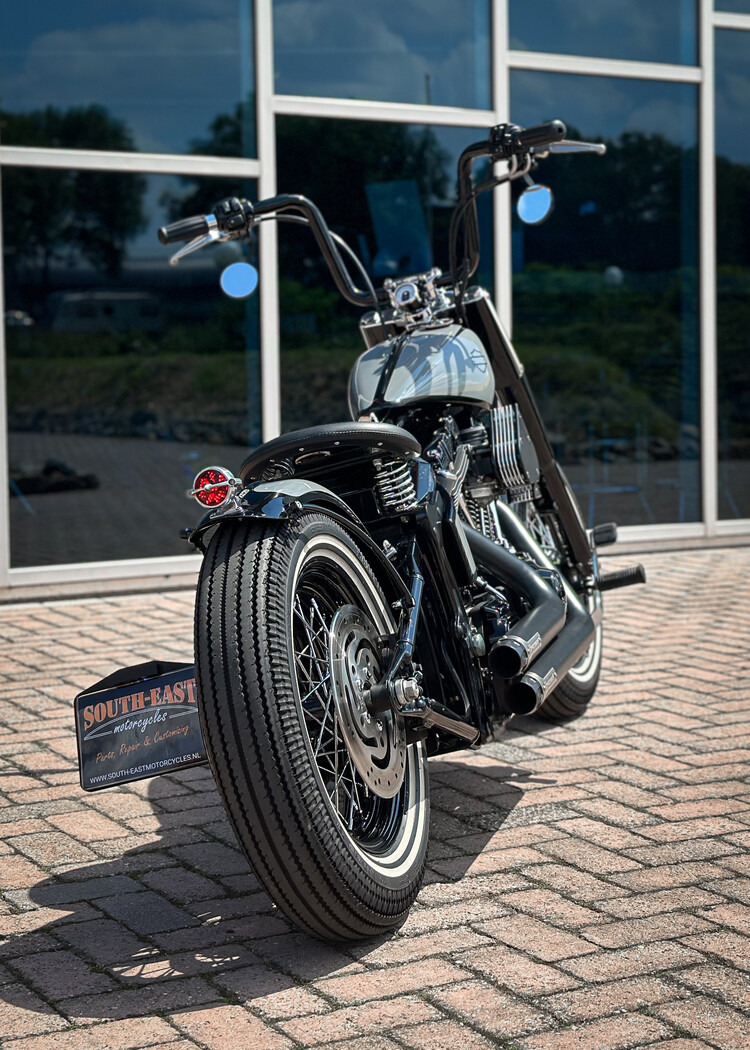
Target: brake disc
[[376, 744]]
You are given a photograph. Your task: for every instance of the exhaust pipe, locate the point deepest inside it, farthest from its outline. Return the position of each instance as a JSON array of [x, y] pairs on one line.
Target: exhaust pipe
[[527, 693], [512, 654]]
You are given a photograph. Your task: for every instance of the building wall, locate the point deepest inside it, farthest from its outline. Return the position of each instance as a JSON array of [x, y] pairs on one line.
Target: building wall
[[123, 375]]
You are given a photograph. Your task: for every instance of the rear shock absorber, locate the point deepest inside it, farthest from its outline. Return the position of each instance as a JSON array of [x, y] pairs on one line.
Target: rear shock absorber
[[394, 486]]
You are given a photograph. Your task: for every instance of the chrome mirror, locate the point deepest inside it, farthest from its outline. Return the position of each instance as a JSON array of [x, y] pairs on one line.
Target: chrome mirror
[[239, 280], [535, 204]]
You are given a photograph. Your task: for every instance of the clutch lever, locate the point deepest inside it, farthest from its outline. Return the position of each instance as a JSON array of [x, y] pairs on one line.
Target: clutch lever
[[214, 234]]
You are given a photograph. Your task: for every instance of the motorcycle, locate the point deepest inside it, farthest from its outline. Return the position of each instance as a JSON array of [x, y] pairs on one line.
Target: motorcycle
[[378, 591]]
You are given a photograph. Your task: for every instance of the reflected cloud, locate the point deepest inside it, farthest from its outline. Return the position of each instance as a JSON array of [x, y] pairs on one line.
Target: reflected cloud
[[166, 79], [415, 52]]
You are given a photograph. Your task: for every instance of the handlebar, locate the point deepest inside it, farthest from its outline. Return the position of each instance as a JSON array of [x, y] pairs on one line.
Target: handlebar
[[537, 136], [234, 217], [184, 229]]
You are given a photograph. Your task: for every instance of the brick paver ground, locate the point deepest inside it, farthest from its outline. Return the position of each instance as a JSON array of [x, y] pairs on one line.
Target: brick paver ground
[[588, 885]]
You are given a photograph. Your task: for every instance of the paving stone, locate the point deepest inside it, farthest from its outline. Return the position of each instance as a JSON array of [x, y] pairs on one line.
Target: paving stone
[[226, 1027], [412, 977], [611, 1034], [627, 962], [57, 975], [604, 999], [537, 938], [710, 1020], [589, 884], [146, 912], [493, 1011], [137, 1002], [517, 972], [132, 1034], [359, 1020]]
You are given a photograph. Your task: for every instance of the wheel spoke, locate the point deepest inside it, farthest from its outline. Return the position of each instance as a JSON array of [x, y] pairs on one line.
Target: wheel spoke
[[317, 633]]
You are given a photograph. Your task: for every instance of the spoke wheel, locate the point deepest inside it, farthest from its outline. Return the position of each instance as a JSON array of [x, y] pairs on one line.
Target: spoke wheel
[[329, 803]]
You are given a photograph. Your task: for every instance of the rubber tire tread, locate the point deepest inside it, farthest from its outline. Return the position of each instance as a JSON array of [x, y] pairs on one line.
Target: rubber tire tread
[[257, 747]]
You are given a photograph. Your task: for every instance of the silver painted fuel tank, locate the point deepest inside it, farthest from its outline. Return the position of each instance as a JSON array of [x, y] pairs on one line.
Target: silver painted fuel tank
[[446, 363]]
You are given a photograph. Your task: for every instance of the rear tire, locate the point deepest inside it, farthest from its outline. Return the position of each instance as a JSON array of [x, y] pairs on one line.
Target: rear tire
[[280, 727], [572, 696]]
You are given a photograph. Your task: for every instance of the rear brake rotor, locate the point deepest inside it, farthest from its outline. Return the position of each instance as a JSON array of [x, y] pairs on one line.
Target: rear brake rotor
[[376, 744]]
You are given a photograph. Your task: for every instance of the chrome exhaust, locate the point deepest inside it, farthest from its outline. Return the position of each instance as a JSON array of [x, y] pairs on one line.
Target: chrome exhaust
[[527, 693]]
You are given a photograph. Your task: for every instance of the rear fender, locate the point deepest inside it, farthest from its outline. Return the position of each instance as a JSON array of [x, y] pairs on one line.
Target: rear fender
[[280, 501]]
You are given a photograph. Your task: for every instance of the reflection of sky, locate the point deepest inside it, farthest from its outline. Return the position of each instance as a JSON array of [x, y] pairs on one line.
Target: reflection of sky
[[604, 107], [733, 93], [166, 67], [421, 51], [649, 30]]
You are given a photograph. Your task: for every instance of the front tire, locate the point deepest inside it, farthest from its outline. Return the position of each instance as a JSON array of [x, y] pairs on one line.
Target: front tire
[[330, 806]]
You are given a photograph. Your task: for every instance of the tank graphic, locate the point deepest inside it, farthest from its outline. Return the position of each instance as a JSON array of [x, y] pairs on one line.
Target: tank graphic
[[438, 364]]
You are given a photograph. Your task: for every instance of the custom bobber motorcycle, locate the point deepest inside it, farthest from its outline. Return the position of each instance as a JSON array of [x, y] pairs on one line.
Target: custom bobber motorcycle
[[384, 589]]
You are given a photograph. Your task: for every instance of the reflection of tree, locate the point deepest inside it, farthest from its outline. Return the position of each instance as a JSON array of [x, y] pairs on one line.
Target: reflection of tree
[[733, 306], [630, 208], [57, 214], [620, 356], [329, 161]]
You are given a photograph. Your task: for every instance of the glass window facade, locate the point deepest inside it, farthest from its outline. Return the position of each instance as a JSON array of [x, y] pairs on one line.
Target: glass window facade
[[121, 370], [147, 75], [733, 269], [605, 295], [642, 30], [435, 53], [124, 374], [389, 190]]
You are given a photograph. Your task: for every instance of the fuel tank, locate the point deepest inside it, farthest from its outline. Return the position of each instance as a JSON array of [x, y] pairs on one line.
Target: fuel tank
[[441, 363]]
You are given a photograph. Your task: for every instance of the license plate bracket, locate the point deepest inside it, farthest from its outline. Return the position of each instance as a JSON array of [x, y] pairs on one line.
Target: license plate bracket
[[139, 722]]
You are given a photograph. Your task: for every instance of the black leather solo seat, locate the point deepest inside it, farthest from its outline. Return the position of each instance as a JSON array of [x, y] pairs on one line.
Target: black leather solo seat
[[290, 453]]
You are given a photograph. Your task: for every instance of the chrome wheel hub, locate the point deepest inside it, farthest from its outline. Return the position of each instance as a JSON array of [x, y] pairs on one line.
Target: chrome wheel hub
[[376, 744]]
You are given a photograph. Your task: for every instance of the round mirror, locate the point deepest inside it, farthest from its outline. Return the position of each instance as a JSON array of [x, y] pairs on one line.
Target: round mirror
[[239, 280], [534, 205]]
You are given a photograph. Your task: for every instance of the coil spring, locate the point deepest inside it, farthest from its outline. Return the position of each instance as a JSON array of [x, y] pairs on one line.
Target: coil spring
[[394, 486]]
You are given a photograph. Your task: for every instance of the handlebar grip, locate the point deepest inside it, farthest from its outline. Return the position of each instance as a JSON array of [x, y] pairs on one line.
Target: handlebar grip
[[183, 229], [538, 135]]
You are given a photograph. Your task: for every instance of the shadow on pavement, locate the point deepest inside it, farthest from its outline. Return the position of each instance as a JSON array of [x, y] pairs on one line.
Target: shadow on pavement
[[134, 935]]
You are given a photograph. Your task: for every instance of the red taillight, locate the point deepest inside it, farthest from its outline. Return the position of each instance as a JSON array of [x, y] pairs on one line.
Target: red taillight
[[212, 486]]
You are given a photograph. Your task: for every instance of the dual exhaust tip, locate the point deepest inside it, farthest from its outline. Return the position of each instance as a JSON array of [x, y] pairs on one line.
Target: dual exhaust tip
[[509, 659]]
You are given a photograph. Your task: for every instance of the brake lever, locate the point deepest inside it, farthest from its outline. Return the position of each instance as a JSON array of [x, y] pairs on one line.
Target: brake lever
[[570, 146], [214, 234]]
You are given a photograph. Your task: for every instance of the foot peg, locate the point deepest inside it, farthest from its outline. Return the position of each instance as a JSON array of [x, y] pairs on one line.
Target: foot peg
[[610, 581], [604, 534]]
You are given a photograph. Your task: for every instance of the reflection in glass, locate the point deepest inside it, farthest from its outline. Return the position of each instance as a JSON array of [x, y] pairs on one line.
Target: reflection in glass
[[125, 375], [740, 6], [389, 190], [733, 269], [605, 294], [665, 31], [390, 51], [147, 75]]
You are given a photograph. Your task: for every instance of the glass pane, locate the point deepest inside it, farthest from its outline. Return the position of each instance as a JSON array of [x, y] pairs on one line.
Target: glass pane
[[435, 53], [741, 6], [147, 75], [733, 269], [125, 375], [389, 190], [665, 31], [605, 294]]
